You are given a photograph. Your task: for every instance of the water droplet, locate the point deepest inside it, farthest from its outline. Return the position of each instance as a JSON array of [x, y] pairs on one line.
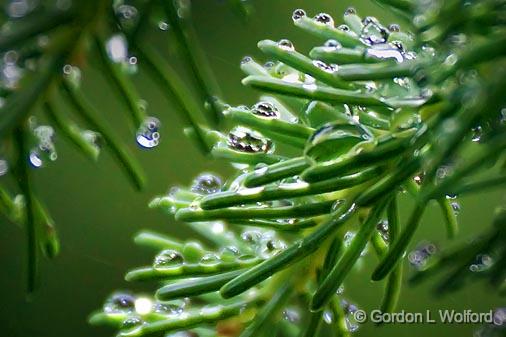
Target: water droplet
[[126, 13], [329, 68], [394, 27], [340, 290], [45, 149], [119, 303], [382, 228], [348, 238], [328, 317], [4, 167], [350, 11], [477, 133], [20, 8], [324, 18], [210, 259], [455, 207], [385, 51], [481, 263], [245, 140], [269, 65], [10, 72], [298, 14], [206, 183], [265, 109], [286, 45], [251, 236], [168, 258], [117, 48], [131, 322], [291, 315], [93, 138], [418, 258], [148, 135], [175, 307], [343, 28], [229, 253], [419, 179], [246, 59], [72, 74], [499, 316], [372, 32], [332, 44], [162, 25]]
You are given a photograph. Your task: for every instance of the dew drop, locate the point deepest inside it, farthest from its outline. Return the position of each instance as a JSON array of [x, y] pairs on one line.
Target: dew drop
[[329, 68], [298, 14], [291, 315], [499, 318], [168, 258], [148, 135], [386, 51], [394, 27], [164, 26], [286, 45], [251, 236], [324, 18], [481, 263], [20, 8], [455, 207], [246, 59], [72, 74], [131, 322], [477, 133], [126, 12], [332, 44], [350, 11], [119, 303], [117, 48], [206, 183], [4, 167], [210, 259], [265, 109], [372, 32], [93, 138], [418, 258], [343, 28], [382, 228], [45, 149], [245, 140], [328, 317]]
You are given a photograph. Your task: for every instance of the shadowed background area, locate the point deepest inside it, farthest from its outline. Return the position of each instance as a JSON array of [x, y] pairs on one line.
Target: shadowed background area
[[97, 212]]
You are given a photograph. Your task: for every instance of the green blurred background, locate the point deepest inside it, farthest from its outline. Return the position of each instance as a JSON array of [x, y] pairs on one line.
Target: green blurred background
[[97, 212]]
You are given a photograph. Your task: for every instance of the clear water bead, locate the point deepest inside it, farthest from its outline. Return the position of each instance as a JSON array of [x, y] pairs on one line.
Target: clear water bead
[[167, 258], [117, 48], [298, 14], [131, 322], [372, 32], [324, 18], [245, 140], [45, 149], [329, 68], [207, 183], [120, 302], [350, 11], [265, 109], [4, 167], [148, 135], [286, 45]]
